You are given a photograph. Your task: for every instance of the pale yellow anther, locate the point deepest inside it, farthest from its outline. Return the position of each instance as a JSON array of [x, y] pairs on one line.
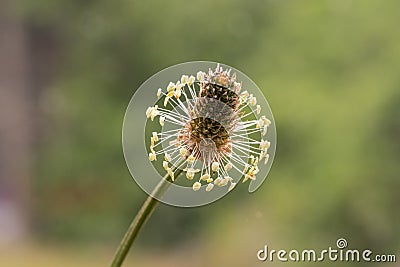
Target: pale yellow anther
[[178, 93], [148, 111], [246, 177], [246, 167], [264, 145], [184, 79], [196, 186], [264, 132], [209, 187], [209, 180], [171, 87], [159, 92], [167, 157], [252, 100], [155, 136], [178, 85], [231, 186], [152, 156], [191, 159], [200, 76], [256, 160], [218, 181], [191, 80], [244, 94], [261, 122], [190, 174], [258, 109], [266, 159], [237, 86], [171, 93], [171, 173], [166, 101], [262, 154], [224, 181], [165, 165], [253, 171], [249, 176], [154, 112], [183, 151], [251, 159], [162, 120], [228, 167], [265, 120], [215, 166], [205, 177]]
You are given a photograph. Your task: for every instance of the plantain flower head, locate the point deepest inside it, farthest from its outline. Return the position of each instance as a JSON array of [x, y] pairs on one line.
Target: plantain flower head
[[210, 127]]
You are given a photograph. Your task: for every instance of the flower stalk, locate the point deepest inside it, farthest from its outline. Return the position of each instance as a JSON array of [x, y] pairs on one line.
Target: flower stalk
[[141, 218]]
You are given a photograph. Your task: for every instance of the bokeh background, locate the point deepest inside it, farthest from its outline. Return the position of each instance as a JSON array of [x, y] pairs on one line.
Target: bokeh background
[[330, 70]]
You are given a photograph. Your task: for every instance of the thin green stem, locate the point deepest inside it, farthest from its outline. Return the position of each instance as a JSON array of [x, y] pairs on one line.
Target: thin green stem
[[141, 218]]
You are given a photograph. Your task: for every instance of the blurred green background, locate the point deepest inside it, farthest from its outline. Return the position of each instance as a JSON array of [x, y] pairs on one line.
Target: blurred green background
[[330, 71]]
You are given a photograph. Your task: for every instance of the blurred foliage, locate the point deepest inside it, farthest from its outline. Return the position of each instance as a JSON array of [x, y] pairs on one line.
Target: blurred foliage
[[329, 69]]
